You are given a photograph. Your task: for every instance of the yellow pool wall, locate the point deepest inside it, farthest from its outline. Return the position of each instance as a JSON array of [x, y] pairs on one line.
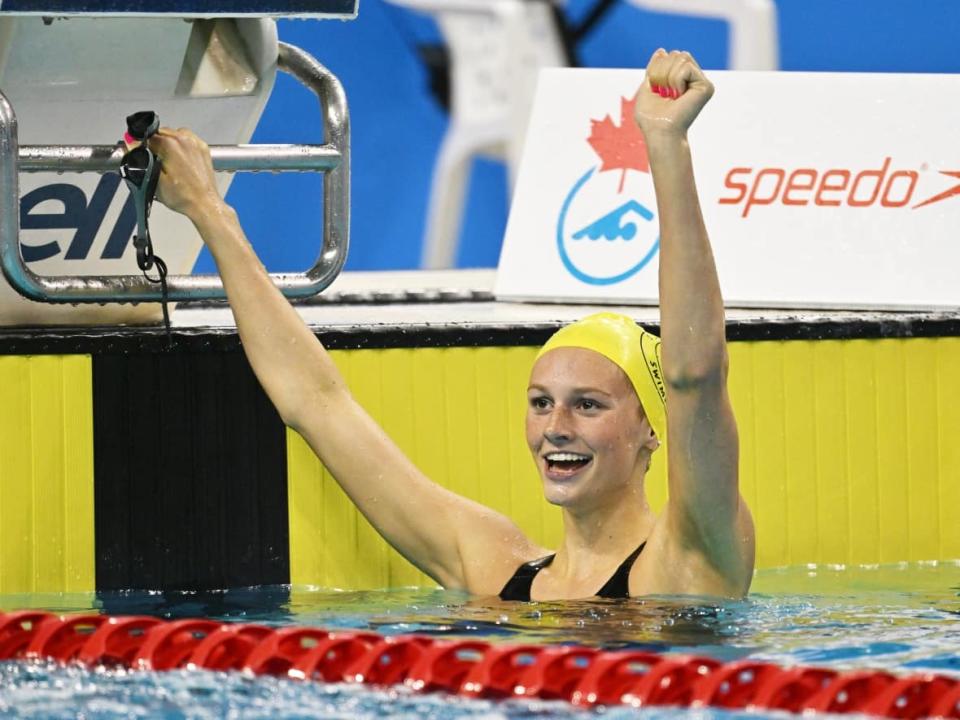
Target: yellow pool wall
[[46, 474], [848, 455]]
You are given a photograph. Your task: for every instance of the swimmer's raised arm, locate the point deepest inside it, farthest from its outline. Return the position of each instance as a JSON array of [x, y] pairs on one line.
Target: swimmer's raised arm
[[459, 543], [705, 511]]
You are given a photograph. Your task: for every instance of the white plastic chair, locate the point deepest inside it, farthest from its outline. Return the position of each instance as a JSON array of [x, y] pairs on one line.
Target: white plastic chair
[[497, 48], [754, 43]]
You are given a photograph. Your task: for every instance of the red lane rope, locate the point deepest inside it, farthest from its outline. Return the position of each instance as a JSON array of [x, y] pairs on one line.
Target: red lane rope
[[472, 668]]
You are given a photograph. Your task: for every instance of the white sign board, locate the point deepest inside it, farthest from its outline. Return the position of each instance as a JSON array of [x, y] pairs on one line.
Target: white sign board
[[818, 190]]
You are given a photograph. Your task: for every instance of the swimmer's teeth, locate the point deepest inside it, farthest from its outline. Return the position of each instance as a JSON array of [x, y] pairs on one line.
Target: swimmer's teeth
[[566, 457], [567, 460]]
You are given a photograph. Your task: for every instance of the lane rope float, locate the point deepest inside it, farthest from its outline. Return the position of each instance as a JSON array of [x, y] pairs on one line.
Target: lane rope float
[[583, 676]]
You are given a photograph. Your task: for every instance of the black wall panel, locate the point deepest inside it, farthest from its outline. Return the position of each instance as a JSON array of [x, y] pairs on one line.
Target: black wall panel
[[190, 474]]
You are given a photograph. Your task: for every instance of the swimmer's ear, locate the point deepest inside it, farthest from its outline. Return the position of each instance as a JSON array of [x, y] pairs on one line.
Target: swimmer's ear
[[650, 439], [653, 442]]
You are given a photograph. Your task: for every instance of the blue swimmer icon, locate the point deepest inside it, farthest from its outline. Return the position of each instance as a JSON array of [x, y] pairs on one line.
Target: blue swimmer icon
[[609, 226], [612, 226]]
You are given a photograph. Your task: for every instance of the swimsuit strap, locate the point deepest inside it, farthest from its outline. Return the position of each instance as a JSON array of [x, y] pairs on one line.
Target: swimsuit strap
[[518, 587], [618, 586]]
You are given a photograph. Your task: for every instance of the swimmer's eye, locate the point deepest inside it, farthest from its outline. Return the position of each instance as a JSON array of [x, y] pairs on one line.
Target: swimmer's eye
[[540, 402], [588, 404]]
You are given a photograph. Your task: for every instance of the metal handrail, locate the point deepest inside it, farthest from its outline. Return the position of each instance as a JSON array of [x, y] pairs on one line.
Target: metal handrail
[[332, 158], [226, 158]]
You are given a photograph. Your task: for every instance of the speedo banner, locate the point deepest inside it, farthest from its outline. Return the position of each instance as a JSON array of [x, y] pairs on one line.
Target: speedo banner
[[818, 191]]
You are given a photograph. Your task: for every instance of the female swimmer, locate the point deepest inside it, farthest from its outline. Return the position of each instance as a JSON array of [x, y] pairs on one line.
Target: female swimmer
[[595, 414]]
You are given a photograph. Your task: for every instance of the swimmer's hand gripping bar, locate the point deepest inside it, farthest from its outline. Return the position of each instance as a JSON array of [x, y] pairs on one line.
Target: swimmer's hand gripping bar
[[332, 158]]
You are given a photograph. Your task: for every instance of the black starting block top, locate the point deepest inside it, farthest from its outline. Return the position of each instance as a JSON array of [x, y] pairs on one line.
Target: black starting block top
[[342, 9]]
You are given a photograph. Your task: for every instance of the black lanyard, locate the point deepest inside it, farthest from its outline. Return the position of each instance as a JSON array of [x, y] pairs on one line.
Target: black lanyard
[[140, 168]]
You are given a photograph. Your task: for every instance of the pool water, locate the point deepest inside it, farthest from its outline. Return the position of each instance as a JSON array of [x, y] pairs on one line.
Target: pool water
[[903, 618]]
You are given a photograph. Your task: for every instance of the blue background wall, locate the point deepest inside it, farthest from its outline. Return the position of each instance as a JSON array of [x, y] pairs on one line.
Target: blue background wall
[[397, 125]]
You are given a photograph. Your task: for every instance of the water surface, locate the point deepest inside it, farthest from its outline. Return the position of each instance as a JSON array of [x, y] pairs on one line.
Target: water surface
[[900, 618]]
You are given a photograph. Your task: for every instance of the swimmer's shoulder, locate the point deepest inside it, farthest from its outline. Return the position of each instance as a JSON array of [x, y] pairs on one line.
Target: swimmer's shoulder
[[491, 552], [673, 563]]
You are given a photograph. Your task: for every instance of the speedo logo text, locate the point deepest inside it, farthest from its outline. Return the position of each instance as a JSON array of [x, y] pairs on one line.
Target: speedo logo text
[[885, 186]]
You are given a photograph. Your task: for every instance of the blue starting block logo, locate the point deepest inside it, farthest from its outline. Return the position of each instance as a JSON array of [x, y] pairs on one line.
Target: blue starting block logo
[[606, 231], [64, 207]]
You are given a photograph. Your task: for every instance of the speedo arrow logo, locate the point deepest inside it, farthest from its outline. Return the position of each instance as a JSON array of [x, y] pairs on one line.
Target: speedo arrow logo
[[955, 190]]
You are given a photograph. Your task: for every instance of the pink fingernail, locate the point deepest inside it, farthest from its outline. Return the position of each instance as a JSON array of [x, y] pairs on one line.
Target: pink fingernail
[[676, 93], [655, 88], [665, 92]]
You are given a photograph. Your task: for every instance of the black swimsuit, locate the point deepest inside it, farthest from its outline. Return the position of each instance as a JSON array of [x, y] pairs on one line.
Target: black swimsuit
[[618, 586]]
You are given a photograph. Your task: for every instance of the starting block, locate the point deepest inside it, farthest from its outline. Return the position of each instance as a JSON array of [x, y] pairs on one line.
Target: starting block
[[70, 72]]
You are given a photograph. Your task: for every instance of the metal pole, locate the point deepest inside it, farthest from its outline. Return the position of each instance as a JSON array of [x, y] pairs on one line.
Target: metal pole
[[226, 158]]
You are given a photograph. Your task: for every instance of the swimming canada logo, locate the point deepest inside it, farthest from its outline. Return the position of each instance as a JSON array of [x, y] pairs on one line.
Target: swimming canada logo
[[614, 243]]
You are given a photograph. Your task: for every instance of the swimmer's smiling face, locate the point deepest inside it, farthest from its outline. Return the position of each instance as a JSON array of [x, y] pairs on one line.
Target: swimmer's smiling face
[[585, 428]]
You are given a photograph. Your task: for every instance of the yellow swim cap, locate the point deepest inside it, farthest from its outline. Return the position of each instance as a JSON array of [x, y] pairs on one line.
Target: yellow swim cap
[[634, 350]]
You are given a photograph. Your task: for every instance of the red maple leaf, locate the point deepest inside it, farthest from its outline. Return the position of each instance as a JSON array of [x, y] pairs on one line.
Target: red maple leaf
[[620, 147]]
